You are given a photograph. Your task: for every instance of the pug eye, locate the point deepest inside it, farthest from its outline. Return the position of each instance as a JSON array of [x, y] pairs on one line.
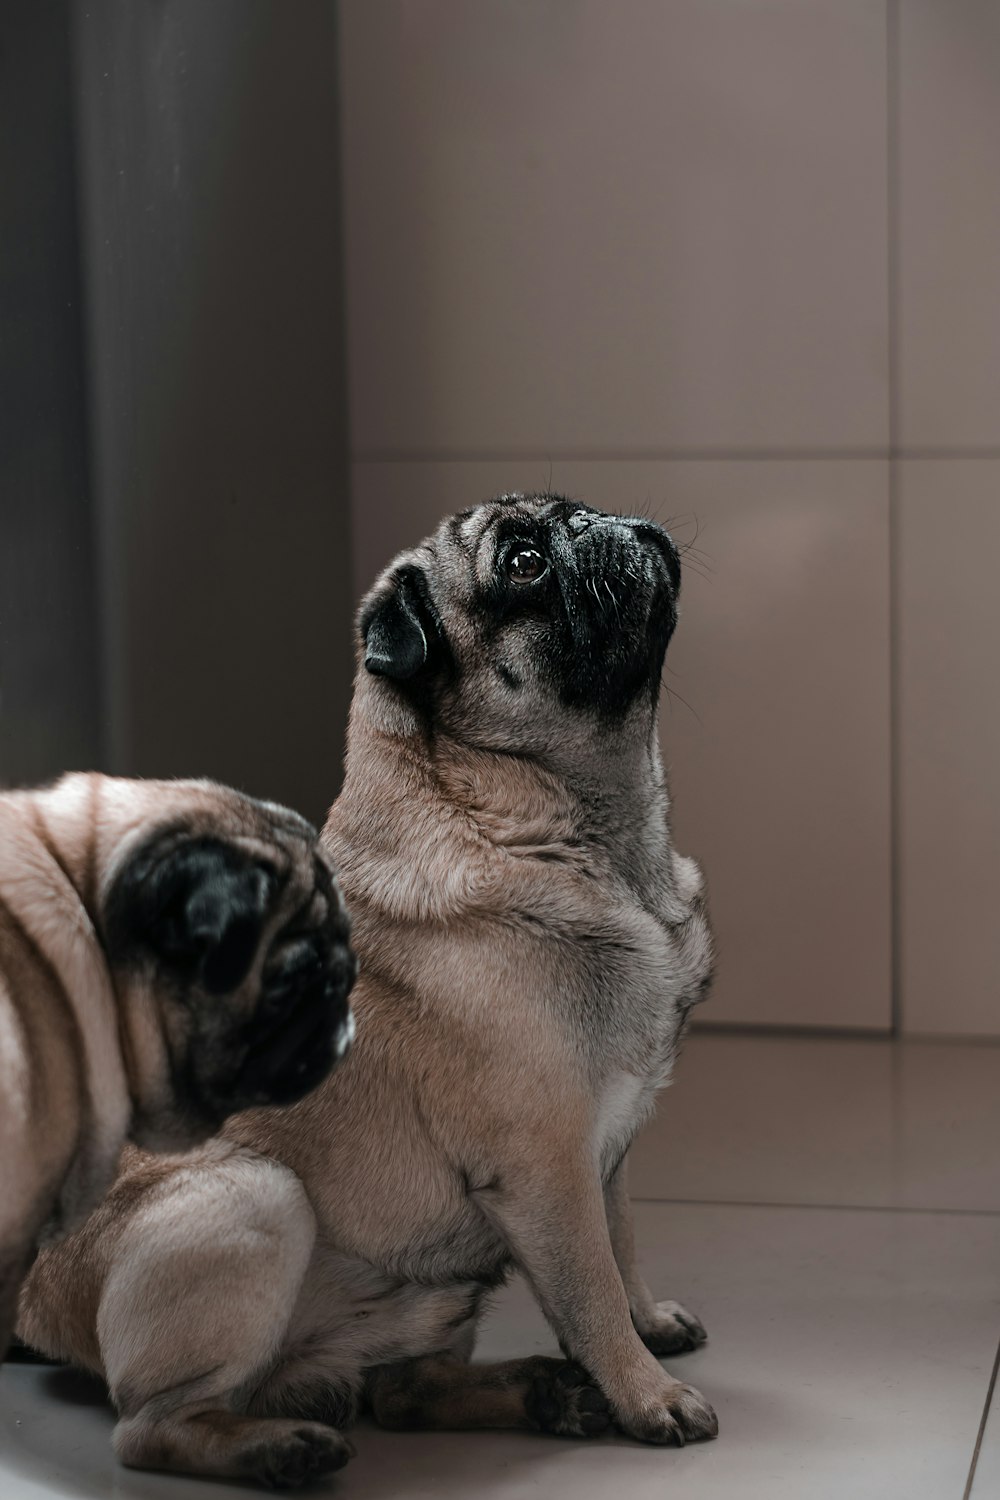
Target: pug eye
[[525, 565]]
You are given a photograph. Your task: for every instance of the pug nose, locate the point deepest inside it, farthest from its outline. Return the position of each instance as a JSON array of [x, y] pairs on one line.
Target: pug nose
[[579, 521]]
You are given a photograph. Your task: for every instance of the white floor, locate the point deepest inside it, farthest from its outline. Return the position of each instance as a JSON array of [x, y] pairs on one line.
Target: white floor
[[830, 1208]]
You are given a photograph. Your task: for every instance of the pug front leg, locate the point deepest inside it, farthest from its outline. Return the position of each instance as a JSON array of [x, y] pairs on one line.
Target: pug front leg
[[551, 1215], [664, 1327]]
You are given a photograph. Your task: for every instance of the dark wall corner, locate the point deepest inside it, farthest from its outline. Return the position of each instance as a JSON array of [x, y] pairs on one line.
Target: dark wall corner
[[173, 168]]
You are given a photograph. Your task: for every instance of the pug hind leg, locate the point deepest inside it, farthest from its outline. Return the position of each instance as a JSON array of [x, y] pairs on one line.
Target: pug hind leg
[[202, 1284], [226, 1445], [440, 1392], [666, 1328]]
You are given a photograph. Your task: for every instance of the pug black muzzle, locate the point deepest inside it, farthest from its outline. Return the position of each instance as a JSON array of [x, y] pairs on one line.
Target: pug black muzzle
[[303, 1023], [619, 578]]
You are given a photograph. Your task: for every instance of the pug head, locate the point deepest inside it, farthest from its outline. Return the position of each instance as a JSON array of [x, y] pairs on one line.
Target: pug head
[[525, 622], [228, 944]]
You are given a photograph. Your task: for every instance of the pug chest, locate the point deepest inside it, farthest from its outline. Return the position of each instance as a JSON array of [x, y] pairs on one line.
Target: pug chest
[[625, 1102]]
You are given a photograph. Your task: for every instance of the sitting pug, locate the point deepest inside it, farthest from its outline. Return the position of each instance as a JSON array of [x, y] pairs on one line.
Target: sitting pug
[[169, 952], [530, 945]]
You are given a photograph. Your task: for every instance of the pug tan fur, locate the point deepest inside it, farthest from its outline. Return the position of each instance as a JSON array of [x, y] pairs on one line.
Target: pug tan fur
[[93, 1041], [530, 947]]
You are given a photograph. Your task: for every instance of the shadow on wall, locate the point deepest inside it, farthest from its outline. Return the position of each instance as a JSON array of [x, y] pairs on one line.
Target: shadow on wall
[[209, 225]]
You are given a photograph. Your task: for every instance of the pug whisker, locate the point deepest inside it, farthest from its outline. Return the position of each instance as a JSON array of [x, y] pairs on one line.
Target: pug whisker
[[702, 558], [702, 570], [593, 589], [673, 693]]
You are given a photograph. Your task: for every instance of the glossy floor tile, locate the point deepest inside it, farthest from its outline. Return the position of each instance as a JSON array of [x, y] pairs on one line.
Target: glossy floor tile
[[850, 1354], [986, 1485], [872, 1123], [851, 1348]]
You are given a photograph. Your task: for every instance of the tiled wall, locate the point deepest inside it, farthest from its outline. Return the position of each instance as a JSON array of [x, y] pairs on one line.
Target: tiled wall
[[721, 258]]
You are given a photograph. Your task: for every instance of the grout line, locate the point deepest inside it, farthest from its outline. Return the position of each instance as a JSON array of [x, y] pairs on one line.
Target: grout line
[[788, 1031], [852, 1208], [885, 454], [763, 1031], [892, 154], [893, 367], [950, 1039], [967, 1492], [896, 1010], [615, 455], [984, 450]]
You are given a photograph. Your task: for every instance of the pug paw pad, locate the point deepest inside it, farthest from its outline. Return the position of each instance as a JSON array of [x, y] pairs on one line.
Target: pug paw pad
[[299, 1456], [562, 1399]]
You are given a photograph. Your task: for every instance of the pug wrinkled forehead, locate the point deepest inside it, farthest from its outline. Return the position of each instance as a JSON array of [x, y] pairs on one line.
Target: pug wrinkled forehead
[[522, 612]]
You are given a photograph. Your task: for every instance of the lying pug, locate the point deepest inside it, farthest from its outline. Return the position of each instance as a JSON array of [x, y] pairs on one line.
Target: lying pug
[[169, 952], [530, 948]]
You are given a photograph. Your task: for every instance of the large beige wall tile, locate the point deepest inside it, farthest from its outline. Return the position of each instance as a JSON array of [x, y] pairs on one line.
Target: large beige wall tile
[[574, 226], [780, 766], [949, 629], [949, 248]]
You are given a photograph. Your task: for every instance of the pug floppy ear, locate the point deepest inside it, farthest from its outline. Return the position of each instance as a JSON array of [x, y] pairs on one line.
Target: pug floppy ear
[[399, 626], [195, 905]]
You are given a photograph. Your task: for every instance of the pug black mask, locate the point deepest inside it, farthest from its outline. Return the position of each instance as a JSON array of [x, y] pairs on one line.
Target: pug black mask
[[521, 607]]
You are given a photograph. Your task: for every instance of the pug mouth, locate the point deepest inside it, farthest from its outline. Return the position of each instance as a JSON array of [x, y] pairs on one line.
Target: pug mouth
[[663, 547], [302, 1026], [617, 580], [634, 563]]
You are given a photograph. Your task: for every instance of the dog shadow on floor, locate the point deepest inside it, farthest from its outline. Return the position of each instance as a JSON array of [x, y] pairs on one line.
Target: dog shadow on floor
[[76, 1388], [56, 1429]]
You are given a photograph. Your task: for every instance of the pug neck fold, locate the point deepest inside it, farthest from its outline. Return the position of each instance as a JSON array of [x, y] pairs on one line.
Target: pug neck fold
[[399, 792], [46, 916]]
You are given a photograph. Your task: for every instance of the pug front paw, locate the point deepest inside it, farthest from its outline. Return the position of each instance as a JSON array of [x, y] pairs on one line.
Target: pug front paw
[[679, 1415]]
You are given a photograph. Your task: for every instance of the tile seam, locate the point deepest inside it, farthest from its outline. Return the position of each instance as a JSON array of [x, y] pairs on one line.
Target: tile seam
[[856, 1208], [984, 1419], [885, 454], [893, 376]]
